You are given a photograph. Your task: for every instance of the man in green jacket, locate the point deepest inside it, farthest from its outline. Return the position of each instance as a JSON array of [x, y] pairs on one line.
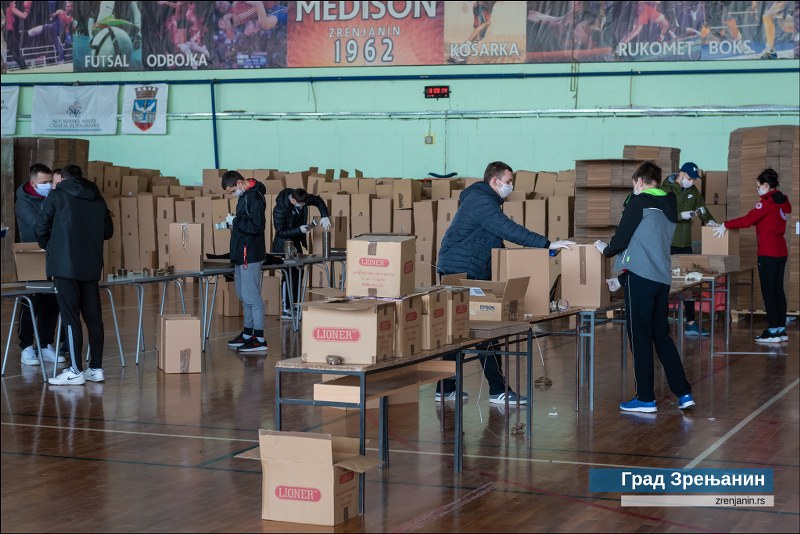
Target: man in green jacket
[[690, 204]]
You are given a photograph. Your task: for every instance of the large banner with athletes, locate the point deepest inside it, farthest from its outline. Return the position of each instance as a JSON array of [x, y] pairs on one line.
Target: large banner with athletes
[[127, 36]]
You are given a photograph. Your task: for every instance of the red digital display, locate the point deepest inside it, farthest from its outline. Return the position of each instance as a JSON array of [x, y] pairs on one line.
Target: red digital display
[[437, 91]]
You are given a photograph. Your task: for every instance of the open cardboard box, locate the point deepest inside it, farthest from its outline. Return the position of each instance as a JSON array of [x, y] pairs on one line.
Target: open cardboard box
[[493, 301], [30, 262]]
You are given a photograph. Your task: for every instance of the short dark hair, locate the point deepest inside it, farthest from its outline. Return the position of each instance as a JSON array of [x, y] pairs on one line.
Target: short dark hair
[[37, 168], [769, 177], [57, 170], [649, 172], [71, 172], [494, 170], [300, 196], [230, 178]]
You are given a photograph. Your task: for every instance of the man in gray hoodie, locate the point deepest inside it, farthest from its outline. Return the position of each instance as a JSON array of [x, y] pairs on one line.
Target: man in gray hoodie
[[642, 246]]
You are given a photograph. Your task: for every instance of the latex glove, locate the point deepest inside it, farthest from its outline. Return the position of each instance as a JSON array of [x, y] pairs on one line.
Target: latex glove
[[712, 223], [229, 219], [613, 284], [600, 246], [326, 223], [305, 228], [686, 215], [555, 245], [720, 230]]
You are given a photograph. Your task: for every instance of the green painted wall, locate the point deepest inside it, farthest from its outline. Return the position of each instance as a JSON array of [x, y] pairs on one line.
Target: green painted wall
[[390, 146]]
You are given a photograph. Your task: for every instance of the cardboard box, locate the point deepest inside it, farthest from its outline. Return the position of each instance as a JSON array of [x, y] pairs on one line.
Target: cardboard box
[[296, 180], [180, 344], [566, 177], [115, 243], [718, 212], [583, 277], [560, 211], [442, 188], [132, 186], [360, 331], [271, 293], [368, 186], [186, 246], [30, 262], [706, 263], [564, 189], [493, 301], [445, 211], [457, 313], [184, 211], [434, 319], [220, 208], [408, 326], [405, 193], [360, 214], [536, 262], [348, 185], [380, 265], [129, 228], [148, 237], [525, 181], [212, 181], [382, 214], [536, 216], [516, 212], [203, 215], [728, 245], [403, 221], [716, 187], [310, 478], [112, 179], [546, 184]]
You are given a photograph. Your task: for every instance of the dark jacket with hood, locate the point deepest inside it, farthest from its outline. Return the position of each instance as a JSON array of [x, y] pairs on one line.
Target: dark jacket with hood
[[72, 226], [247, 232], [27, 208], [288, 218], [644, 234], [769, 216], [688, 200], [479, 226]]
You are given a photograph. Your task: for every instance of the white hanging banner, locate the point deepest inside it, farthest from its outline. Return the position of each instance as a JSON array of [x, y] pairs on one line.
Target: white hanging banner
[[144, 109], [10, 97], [64, 110]]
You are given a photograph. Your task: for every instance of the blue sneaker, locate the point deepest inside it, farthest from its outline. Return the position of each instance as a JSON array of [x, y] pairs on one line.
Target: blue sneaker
[[685, 401], [695, 330], [635, 405]]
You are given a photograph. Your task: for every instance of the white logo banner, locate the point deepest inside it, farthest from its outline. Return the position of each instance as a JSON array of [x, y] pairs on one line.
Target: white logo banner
[[144, 109], [10, 97], [64, 110]]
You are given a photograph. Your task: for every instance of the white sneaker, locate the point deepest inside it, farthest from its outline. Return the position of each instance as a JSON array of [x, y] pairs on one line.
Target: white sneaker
[[49, 355], [68, 377], [29, 356], [94, 375]]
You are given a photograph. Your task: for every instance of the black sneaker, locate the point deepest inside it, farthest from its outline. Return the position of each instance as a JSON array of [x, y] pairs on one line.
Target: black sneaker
[[253, 345], [237, 342], [768, 337]]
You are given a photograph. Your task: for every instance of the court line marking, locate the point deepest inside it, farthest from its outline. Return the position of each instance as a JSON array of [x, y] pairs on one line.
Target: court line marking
[[442, 511], [717, 444], [396, 451]]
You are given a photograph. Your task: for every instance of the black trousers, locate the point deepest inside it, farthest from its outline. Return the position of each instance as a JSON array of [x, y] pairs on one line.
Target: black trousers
[[688, 305], [770, 273], [492, 370], [76, 299], [45, 307], [294, 273], [646, 306]]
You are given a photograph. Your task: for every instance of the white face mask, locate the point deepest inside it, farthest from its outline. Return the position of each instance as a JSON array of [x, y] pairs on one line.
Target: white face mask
[[43, 189], [686, 183], [636, 190], [763, 189], [504, 189], [238, 192]]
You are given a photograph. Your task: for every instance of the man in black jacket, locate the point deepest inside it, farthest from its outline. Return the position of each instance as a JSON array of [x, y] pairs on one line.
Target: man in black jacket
[[29, 199], [72, 226], [290, 219], [248, 252]]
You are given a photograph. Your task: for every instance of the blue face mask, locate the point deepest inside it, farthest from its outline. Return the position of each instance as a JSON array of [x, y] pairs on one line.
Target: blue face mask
[[43, 189]]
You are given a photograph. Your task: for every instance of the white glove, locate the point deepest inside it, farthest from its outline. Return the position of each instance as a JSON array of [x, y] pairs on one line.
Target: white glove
[[613, 284], [712, 223], [555, 245], [686, 215], [600, 246], [305, 228], [720, 230], [326, 223], [229, 219]]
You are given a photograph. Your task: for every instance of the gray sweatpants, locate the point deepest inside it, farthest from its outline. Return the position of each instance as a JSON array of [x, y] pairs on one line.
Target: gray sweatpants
[[248, 289]]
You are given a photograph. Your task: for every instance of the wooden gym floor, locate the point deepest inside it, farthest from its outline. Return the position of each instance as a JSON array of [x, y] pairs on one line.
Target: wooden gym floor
[[145, 452]]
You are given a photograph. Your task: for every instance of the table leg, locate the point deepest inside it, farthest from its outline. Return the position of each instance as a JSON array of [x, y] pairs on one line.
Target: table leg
[[728, 283], [58, 343], [680, 325], [278, 403], [10, 333], [578, 341], [116, 324], [139, 330], [210, 311], [383, 422], [362, 432], [711, 314], [591, 363], [204, 281], [529, 354], [36, 337], [458, 444]]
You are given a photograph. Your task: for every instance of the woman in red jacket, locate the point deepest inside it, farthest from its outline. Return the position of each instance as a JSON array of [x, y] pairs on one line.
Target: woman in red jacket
[[769, 217]]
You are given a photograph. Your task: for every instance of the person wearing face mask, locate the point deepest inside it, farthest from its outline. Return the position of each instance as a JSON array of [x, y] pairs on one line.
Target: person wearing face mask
[[478, 226], [642, 246], [30, 197], [769, 216], [248, 252], [290, 219], [690, 204]]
